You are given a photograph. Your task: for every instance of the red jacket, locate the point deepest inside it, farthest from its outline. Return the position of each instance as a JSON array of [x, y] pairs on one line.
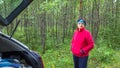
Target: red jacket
[[82, 40]]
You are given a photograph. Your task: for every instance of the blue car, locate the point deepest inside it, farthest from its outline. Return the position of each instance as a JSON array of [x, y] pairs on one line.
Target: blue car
[[14, 54]]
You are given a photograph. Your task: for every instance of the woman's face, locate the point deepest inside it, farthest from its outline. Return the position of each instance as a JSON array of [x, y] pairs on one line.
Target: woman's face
[[80, 25]]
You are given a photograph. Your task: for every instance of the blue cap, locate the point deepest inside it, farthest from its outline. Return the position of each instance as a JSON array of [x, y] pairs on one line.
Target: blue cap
[[81, 21]]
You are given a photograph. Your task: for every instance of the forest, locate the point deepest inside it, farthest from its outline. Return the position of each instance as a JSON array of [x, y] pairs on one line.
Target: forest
[[47, 26]]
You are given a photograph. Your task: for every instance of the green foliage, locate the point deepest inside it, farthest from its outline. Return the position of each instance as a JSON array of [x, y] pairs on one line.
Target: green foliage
[[20, 35], [60, 57], [8, 6], [102, 54], [1, 1], [110, 36], [52, 5]]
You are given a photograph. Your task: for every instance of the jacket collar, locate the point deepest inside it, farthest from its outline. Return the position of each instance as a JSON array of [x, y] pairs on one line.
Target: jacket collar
[[80, 30]]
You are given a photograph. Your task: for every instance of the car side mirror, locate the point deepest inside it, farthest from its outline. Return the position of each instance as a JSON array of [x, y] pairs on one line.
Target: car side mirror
[[6, 21]]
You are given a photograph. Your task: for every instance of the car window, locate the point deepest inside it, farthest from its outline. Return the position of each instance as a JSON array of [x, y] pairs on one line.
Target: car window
[[7, 6]]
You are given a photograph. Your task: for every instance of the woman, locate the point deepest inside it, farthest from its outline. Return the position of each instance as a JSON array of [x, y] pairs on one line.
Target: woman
[[81, 45]]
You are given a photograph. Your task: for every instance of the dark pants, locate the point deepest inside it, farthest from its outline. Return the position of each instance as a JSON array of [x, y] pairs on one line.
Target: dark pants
[[80, 62]]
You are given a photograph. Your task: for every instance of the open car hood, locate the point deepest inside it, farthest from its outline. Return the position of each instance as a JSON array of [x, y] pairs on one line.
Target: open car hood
[[8, 44], [8, 20]]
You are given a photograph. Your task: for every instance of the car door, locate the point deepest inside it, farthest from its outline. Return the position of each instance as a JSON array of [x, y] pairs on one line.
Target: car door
[[15, 7]]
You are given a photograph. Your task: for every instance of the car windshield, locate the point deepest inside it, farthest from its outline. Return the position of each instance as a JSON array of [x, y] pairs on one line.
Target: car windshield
[[7, 6]]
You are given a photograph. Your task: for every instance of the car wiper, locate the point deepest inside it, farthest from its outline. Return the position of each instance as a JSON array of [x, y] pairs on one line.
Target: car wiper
[[6, 21]]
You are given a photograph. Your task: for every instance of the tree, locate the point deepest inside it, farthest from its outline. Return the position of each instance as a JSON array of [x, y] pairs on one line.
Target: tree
[[95, 17]]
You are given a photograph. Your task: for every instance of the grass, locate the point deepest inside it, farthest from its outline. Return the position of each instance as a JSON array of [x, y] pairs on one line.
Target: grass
[[61, 57]]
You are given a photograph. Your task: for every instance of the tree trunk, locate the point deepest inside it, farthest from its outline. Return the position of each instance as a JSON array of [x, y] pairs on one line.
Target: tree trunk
[[43, 31], [26, 27], [81, 9], [95, 17]]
